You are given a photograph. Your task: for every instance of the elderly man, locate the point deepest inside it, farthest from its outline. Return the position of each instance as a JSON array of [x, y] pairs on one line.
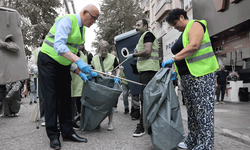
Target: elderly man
[[58, 51]]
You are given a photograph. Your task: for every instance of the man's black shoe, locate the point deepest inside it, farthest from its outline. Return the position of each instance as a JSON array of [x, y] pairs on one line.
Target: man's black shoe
[[126, 111], [75, 138], [98, 127], [55, 144]]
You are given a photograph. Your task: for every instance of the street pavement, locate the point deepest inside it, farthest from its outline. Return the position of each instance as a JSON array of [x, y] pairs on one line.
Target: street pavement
[[19, 133]]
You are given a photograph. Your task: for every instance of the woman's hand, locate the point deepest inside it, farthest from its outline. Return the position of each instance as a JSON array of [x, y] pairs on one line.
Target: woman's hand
[[167, 63]]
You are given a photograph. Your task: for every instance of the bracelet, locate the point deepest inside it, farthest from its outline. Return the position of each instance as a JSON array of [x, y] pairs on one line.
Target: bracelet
[[174, 57]]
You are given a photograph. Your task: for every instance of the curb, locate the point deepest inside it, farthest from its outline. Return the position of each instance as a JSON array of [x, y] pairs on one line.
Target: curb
[[237, 135], [231, 133]]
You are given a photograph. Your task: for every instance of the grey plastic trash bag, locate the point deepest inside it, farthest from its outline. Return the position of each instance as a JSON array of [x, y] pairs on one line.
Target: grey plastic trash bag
[[12, 101], [99, 95], [161, 112]]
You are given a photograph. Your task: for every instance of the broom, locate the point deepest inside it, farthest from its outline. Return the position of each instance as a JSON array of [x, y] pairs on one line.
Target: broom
[[34, 116]]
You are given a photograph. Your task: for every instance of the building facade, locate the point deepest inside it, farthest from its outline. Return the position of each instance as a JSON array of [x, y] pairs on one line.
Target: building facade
[[228, 24], [157, 11], [68, 7]]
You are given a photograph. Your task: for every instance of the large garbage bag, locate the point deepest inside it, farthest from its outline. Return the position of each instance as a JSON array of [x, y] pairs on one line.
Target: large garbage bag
[[12, 101], [161, 112], [2, 96], [99, 95]]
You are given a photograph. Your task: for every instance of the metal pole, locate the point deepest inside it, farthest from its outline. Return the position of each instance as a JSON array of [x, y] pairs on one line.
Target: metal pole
[[118, 77]]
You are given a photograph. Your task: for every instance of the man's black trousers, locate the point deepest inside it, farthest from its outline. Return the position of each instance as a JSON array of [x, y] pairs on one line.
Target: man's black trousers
[[145, 77], [220, 89], [55, 83]]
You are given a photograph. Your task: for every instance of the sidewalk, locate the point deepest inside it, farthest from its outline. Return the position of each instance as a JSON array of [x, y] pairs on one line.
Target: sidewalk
[[231, 118], [18, 133]]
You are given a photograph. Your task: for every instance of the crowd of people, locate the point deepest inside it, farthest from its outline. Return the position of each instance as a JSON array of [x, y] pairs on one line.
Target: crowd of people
[[62, 65]]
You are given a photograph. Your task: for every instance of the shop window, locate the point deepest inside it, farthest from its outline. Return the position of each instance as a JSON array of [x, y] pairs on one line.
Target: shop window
[[248, 63], [182, 4], [224, 55], [187, 4]]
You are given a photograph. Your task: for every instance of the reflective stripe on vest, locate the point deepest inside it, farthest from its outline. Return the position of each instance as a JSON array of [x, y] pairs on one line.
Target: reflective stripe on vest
[[204, 56], [52, 44], [150, 57]]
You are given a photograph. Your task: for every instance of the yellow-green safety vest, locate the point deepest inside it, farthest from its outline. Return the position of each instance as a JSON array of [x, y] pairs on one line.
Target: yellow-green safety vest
[[150, 62], [74, 40], [122, 74], [76, 82], [35, 54], [108, 63], [203, 61]]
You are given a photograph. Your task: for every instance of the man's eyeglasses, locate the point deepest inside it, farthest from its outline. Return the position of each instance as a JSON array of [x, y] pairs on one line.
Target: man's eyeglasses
[[95, 18]]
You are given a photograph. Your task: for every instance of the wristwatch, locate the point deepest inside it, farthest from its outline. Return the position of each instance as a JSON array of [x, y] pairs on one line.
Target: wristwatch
[[174, 57]]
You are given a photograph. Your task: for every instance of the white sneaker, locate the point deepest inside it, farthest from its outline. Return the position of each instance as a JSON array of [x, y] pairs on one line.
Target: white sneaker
[[115, 110], [43, 124], [182, 145], [110, 126], [217, 103]]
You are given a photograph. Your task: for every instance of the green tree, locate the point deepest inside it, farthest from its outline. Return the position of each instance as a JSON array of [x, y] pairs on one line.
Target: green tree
[[37, 17], [116, 17]]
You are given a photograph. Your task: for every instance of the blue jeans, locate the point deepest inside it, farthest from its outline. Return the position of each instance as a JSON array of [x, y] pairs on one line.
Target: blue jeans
[[220, 89], [32, 91], [125, 91]]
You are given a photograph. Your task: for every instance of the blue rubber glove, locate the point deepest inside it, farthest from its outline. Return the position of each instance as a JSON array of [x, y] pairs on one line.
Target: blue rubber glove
[[83, 77], [130, 56], [116, 79], [84, 67], [173, 76], [168, 62], [92, 74]]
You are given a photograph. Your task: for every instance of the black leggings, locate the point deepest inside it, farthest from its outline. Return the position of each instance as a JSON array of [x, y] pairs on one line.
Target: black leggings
[[75, 101]]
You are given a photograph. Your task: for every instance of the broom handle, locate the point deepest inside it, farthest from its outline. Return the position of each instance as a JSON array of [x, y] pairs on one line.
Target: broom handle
[[118, 77]]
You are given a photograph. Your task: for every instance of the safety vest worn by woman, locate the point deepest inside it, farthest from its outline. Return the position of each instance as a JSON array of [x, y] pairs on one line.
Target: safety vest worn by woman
[[203, 61], [150, 62], [108, 63], [77, 82], [74, 40]]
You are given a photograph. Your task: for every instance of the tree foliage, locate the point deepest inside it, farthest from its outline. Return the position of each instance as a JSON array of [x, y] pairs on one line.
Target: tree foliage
[[37, 17], [116, 17]]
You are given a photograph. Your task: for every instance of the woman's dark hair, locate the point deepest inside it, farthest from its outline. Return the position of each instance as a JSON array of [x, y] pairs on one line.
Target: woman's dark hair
[[175, 14]]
